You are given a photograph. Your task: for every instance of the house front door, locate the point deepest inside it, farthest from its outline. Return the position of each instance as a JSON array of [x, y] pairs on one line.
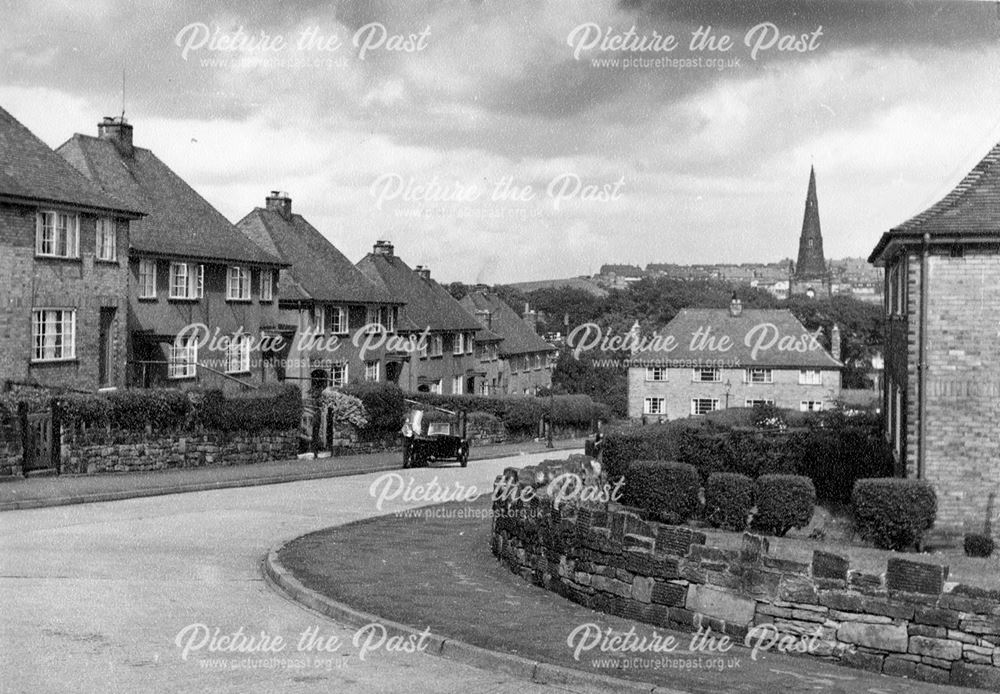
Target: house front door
[[105, 370]]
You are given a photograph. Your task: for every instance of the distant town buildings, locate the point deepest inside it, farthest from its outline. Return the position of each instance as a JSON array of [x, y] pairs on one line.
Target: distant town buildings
[[695, 378], [942, 351]]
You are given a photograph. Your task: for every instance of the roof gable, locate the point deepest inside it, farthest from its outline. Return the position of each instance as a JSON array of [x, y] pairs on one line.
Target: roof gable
[[30, 170], [180, 222], [518, 337]]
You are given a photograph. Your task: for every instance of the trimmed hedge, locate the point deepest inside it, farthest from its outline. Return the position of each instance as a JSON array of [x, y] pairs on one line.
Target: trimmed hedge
[[270, 408], [521, 413], [384, 405], [784, 502], [729, 496], [978, 545], [893, 513], [667, 491], [655, 442]]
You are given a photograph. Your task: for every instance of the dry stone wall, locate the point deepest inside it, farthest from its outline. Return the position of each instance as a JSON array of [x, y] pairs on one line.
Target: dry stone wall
[[905, 622]]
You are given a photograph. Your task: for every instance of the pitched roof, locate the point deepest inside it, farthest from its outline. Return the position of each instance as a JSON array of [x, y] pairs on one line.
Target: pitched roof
[[428, 304], [30, 171], [971, 209], [180, 222], [318, 270], [518, 337], [753, 327]]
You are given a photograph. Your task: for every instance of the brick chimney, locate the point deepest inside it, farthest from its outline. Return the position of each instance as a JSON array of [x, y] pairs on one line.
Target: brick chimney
[[423, 272], [530, 317], [735, 306], [280, 202], [383, 248], [119, 131], [485, 318], [835, 342]]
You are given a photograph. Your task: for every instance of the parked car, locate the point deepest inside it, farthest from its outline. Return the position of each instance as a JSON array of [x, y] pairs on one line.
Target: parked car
[[427, 441]]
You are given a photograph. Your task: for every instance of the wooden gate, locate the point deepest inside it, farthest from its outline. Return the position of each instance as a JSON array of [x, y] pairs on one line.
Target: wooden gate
[[40, 450]]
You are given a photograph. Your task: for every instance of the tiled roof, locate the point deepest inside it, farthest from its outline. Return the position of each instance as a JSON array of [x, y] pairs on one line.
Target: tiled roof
[[318, 270], [686, 323], [518, 337], [971, 209], [428, 304], [180, 222], [29, 170]]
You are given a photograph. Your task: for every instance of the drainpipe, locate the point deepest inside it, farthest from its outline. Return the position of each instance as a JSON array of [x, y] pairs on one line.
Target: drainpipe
[[921, 363]]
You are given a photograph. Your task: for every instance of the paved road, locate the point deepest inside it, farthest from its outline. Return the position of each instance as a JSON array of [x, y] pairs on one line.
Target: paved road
[[92, 597]]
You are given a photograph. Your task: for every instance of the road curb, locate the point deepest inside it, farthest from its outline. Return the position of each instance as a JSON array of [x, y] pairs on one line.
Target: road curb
[[283, 581], [125, 494]]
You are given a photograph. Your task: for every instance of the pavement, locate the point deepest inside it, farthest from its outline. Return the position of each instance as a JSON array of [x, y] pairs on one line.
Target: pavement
[[107, 596], [39, 492]]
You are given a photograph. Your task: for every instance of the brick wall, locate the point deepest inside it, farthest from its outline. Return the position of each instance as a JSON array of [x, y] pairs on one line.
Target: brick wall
[[962, 457], [905, 622], [680, 388], [85, 284]]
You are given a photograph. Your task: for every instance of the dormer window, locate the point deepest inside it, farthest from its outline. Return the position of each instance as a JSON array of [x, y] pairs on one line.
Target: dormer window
[[57, 235]]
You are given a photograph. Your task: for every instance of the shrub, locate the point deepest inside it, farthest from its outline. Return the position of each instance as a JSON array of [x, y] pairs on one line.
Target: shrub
[[344, 408], [893, 513], [976, 545], [729, 496], [783, 502], [273, 408], [133, 410], [385, 407], [654, 442], [667, 491]]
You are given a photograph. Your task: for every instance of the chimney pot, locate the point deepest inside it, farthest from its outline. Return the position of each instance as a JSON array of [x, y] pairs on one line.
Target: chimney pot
[[118, 131], [383, 247], [280, 202]]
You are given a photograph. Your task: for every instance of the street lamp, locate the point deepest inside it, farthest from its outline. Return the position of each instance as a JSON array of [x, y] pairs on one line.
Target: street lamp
[[729, 387]]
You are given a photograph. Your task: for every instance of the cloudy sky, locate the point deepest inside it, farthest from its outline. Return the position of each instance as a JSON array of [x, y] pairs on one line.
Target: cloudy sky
[[506, 141]]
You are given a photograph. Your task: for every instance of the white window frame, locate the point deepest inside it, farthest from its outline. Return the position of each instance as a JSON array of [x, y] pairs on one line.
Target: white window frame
[[696, 405], [336, 318], [458, 344], [753, 402], [237, 283], [698, 372], [238, 355], [54, 229], [437, 345], [338, 375], [106, 240], [146, 288], [810, 377], [435, 387], [652, 373], [53, 334], [182, 359], [657, 406], [457, 385], [267, 285], [766, 376], [372, 371], [811, 406], [187, 281], [470, 342]]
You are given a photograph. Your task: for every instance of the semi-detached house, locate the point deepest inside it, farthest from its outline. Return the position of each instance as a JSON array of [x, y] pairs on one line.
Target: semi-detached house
[[63, 269], [187, 266]]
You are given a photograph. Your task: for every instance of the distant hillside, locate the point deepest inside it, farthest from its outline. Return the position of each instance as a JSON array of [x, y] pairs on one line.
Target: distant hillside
[[583, 283]]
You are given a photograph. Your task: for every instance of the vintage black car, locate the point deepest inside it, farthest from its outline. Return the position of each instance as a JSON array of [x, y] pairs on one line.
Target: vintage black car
[[426, 441]]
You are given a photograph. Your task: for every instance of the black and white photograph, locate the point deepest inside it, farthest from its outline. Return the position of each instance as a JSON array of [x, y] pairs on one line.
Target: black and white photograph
[[529, 347]]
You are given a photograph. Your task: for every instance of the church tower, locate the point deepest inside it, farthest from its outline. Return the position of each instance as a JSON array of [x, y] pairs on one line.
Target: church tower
[[810, 275]]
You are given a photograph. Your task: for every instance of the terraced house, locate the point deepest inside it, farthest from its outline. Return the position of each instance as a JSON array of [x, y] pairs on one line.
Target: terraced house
[[187, 266], [734, 358], [446, 362], [942, 354], [63, 269], [335, 316], [524, 361]]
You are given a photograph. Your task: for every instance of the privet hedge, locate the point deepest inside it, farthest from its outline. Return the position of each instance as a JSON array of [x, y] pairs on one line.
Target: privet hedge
[[667, 492], [783, 502], [893, 513], [729, 496]]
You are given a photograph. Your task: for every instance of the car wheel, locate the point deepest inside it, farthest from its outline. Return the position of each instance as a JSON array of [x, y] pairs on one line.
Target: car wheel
[[463, 456]]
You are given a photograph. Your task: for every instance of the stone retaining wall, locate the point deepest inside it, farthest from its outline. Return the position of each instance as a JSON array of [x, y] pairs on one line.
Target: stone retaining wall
[[101, 451], [906, 621]]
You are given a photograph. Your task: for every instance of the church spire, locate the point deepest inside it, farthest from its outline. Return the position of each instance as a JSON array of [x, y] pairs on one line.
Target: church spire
[[811, 263]]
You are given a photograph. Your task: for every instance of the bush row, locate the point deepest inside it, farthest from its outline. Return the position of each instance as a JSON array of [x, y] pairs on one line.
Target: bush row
[[669, 492], [522, 413], [270, 408]]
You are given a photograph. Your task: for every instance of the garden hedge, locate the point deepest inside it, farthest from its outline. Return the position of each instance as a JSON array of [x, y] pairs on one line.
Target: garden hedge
[[783, 502], [384, 405], [893, 513], [729, 497], [666, 491], [976, 545], [521, 413]]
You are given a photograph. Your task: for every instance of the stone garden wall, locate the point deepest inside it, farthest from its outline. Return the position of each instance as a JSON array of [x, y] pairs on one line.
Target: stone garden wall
[[10, 450], [99, 451], [906, 621]]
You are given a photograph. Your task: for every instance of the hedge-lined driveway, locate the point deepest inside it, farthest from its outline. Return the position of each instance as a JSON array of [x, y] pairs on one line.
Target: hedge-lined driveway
[[93, 597]]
